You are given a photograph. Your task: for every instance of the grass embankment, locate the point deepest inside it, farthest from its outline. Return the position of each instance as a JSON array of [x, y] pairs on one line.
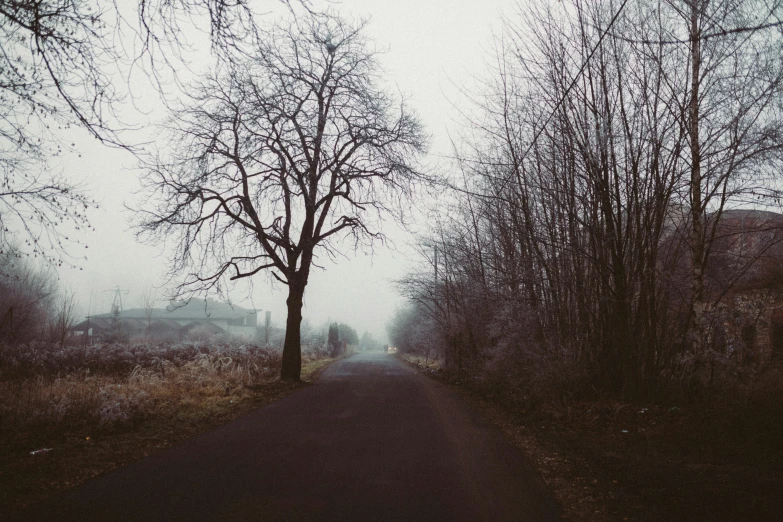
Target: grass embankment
[[605, 460], [87, 410]]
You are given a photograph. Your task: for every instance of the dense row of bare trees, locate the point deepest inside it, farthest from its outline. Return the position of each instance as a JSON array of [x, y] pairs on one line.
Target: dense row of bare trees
[[586, 201]]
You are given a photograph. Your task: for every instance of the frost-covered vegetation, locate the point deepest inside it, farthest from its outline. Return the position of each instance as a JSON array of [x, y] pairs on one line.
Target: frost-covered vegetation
[[70, 409], [52, 382], [48, 386]]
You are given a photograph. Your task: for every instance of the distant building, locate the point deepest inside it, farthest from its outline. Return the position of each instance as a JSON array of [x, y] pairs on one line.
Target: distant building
[[177, 321]]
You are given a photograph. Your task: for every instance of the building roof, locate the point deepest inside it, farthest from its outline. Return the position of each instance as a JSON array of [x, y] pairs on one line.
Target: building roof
[[187, 310], [159, 325]]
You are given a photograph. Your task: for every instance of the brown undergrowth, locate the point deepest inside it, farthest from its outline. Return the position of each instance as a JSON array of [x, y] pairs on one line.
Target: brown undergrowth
[[69, 414], [713, 460]]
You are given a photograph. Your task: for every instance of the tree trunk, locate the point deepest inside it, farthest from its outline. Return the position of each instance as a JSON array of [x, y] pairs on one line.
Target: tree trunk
[[292, 349], [697, 204]]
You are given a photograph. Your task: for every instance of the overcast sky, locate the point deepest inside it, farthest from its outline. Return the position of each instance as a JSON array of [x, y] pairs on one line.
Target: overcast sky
[[433, 49]]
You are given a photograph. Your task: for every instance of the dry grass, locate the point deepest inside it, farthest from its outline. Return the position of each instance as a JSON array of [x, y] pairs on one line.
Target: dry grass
[[110, 386], [103, 406]]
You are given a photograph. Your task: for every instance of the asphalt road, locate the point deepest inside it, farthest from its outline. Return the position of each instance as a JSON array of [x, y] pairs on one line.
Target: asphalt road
[[370, 440]]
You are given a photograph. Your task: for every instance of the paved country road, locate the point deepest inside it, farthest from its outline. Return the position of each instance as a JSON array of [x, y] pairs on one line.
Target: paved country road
[[370, 440]]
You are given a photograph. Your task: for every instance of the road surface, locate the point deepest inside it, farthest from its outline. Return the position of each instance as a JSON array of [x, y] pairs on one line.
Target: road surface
[[370, 440]]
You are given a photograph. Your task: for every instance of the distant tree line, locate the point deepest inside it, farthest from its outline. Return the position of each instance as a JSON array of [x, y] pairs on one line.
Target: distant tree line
[[340, 336], [609, 139]]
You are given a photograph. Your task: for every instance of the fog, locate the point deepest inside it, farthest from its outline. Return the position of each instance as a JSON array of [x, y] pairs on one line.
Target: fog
[[431, 54], [568, 212]]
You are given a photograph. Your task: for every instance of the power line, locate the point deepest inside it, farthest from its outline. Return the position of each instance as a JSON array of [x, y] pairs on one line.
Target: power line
[[560, 102], [601, 39]]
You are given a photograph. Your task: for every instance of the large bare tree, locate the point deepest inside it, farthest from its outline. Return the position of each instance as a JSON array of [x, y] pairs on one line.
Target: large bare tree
[[279, 156]]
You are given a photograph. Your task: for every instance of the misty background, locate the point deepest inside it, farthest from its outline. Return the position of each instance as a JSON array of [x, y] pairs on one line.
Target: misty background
[[431, 54]]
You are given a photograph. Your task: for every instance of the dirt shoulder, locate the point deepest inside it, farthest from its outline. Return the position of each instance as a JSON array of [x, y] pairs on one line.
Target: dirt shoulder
[[608, 461], [76, 456]]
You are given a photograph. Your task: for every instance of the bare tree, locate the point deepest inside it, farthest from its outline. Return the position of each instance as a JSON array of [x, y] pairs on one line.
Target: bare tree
[[51, 77], [733, 119], [278, 158]]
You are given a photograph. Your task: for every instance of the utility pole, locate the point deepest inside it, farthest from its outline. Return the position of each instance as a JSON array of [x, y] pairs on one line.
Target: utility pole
[[696, 197]]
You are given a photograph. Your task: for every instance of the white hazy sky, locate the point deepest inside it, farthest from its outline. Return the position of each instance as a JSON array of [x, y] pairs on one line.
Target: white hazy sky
[[433, 49]]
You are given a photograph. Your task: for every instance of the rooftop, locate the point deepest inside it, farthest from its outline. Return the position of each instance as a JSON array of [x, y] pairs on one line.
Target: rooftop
[[193, 309]]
